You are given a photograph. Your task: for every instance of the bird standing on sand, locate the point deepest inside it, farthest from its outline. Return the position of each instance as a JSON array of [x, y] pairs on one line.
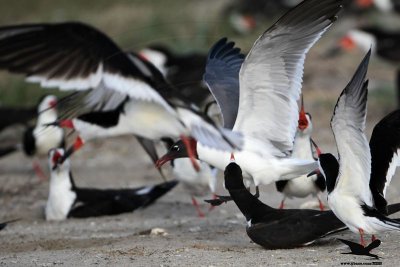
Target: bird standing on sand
[[302, 149], [348, 183]]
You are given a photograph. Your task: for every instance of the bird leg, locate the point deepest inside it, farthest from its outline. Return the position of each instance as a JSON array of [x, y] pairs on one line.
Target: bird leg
[[257, 194], [282, 204], [197, 206], [362, 242], [191, 151], [321, 205], [373, 238], [39, 171]]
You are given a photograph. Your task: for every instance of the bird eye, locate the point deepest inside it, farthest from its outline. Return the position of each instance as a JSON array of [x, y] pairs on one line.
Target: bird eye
[[175, 148]]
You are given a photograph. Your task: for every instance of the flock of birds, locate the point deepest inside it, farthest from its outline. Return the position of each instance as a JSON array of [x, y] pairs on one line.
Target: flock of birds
[[260, 136]]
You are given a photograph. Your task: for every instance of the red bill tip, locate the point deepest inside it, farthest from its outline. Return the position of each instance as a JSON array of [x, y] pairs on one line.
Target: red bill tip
[[78, 143], [56, 157], [67, 124], [347, 43]]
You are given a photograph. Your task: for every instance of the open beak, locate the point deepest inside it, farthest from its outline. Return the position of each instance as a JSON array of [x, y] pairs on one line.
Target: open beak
[[303, 122], [164, 159], [75, 147], [62, 124], [56, 159], [316, 147]]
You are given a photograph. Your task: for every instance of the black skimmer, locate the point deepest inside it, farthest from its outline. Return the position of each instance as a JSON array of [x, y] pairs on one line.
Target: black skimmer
[[357, 249], [384, 146], [267, 111], [348, 183], [278, 228], [67, 200], [4, 224], [184, 71], [118, 93], [281, 228], [303, 149], [197, 183], [39, 139], [385, 44]]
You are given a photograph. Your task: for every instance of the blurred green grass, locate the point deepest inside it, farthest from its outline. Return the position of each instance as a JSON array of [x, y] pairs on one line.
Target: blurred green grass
[[185, 25]]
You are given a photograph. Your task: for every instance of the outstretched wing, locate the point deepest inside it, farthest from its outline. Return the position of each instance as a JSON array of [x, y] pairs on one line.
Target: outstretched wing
[[271, 75], [222, 78], [348, 123], [385, 157], [75, 56]]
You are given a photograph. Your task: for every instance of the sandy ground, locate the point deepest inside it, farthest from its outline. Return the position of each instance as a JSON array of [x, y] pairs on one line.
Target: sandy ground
[[218, 240]]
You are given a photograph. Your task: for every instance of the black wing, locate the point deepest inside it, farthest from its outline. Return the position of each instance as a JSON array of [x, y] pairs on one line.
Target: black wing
[[384, 146], [76, 56]]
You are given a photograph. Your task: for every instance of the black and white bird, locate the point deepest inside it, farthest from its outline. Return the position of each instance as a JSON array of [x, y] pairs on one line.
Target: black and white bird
[[39, 139], [197, 183], [184, 71], [67, 200], [281, 228], [385, 44], [278, 228], [118, 93], [270, 85], [348, 181], [303, 149]]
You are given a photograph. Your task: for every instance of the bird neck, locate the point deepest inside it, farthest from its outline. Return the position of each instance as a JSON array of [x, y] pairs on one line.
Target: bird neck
[[302, 147], [47, 116], [249, 205]]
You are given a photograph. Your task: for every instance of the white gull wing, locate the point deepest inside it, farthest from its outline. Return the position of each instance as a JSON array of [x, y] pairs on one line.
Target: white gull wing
[[385, 156], [75, 56], [348, 123], [271, 75], [222, 78]]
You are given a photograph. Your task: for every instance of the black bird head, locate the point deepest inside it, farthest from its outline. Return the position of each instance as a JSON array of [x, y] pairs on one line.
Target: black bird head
[[233, 177], [176, 151], [329, 167]]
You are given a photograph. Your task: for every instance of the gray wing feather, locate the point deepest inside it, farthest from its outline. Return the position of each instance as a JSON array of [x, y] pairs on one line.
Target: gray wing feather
[[222, 78], [271, 75], [348, 124]]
